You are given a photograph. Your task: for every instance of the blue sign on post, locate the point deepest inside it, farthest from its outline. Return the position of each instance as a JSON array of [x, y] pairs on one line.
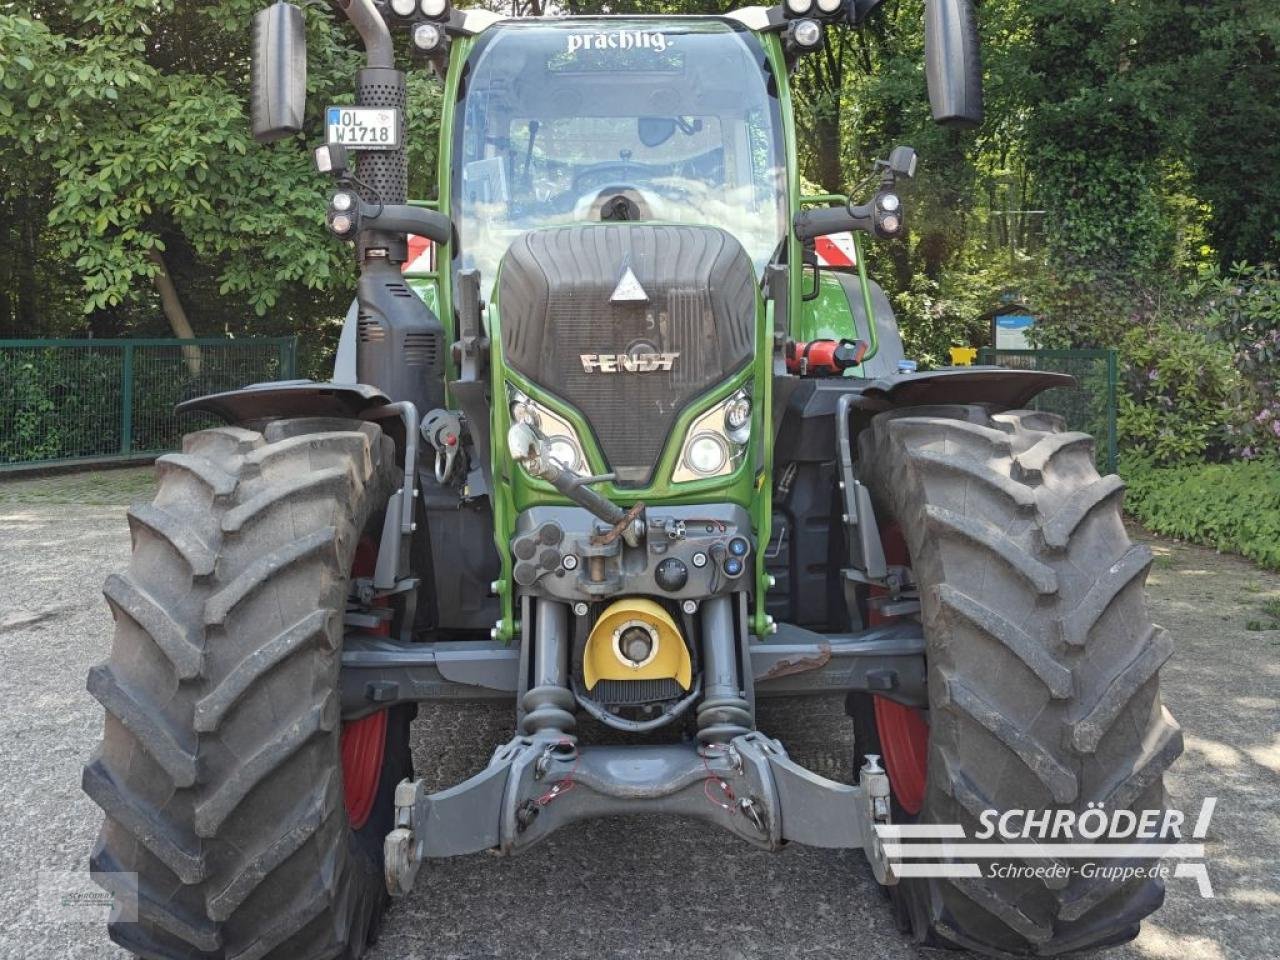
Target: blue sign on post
[[1011, 331]]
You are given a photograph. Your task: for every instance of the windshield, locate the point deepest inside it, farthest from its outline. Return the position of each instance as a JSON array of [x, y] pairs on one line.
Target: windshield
[[591, 120]]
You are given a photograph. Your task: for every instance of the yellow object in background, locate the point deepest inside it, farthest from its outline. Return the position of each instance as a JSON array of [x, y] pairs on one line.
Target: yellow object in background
[[963, 356], [666, 656]]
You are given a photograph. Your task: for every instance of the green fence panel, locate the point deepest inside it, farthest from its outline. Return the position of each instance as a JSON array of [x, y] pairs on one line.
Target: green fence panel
[[1089, 406], [67, 400]]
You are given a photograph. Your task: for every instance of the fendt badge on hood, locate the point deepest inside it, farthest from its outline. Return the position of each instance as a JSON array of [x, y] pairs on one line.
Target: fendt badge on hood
[[629, 290], [628, 362]]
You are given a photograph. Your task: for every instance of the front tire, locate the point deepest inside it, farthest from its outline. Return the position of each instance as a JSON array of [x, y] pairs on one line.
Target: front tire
[[1043, 662], [220, 769]]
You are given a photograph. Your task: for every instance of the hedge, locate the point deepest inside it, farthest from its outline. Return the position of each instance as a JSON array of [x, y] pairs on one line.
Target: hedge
[[1234, 507]]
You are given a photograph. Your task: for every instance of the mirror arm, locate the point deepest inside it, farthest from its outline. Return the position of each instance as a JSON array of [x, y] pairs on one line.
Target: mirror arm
[[364, 16], [821, 222], [400, 218]]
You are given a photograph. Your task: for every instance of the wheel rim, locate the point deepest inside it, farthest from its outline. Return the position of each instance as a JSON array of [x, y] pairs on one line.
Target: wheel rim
[[903, 731], [364, 741]]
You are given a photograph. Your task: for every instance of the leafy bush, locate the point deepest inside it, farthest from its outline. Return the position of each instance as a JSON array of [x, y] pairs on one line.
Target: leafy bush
[[934, 316], [1242, 308], [1176, 388], [1234, 507]]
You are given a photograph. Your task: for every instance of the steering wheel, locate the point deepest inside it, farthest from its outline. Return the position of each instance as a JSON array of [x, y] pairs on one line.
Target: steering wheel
[[615, 202]]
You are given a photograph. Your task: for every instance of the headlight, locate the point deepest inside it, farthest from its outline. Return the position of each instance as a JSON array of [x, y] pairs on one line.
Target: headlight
[[565, 450], [402, 8], [737, 417], [434, 8], [829, 6], [522, 411], [560, 434], [707, 454], [799, 7], [716, 441]]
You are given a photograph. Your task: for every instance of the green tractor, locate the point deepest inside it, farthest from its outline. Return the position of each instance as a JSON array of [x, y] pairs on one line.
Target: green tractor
[[624, 452]]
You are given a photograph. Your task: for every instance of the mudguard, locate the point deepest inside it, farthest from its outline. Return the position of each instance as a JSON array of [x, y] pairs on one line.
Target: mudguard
[[288, 398], [1001, 386]]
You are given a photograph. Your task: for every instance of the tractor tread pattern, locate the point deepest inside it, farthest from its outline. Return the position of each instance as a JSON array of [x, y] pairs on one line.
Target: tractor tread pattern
[[250, 771], [264, 570], [177, 759], [241, 678], [150, 830], [1057, 529], [177, 641], [1043, 663], [236, 594], [328, 480], [1038, 575], [1052, 674], [1154, 650], [189, 545], [1077, 624], [1059, 781]]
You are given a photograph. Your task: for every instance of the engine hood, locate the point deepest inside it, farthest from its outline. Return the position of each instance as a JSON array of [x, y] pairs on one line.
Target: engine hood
[[629, 323]]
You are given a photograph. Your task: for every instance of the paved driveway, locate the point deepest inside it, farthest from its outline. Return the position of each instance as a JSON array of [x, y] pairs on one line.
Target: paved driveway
[[625, 888]]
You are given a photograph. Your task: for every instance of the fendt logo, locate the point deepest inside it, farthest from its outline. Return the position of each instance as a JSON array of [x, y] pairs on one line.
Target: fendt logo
[[628, 362]]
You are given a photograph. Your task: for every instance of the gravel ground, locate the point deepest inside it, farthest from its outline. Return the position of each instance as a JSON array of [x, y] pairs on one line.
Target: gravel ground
[[624, 888]]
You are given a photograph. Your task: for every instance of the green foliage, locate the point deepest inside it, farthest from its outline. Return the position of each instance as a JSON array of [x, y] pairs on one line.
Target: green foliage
[[1128, 148], [1242, 308], [64, 402], [129, 126], [1175, 389], [1232, 507], [935, 315], [53, 404]]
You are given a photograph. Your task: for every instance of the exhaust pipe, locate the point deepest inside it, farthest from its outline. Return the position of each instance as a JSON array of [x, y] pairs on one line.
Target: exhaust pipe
[[364, 16]]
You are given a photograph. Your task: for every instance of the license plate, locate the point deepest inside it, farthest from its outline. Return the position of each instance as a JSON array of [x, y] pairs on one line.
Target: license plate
[[363, 128]]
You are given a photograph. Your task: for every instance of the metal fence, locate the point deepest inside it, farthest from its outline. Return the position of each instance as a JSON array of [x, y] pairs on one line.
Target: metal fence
[[68, 400], [1089, 406]]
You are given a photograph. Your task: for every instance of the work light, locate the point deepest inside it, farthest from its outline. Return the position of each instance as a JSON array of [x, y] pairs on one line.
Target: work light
[[830, 6], [403, 8], [427, 37], [806, 34], [799, 7], [737, 417], [435, 8]]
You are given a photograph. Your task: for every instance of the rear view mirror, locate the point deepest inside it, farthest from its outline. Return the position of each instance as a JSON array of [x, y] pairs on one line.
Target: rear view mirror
[[902, 162], [279, 72], [952, 62]]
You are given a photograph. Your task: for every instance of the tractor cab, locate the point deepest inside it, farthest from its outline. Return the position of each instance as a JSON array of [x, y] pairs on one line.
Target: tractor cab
[[581, 121]]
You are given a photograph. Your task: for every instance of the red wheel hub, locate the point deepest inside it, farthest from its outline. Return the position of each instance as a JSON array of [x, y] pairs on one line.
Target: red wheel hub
[[904, 734], [363, 741]]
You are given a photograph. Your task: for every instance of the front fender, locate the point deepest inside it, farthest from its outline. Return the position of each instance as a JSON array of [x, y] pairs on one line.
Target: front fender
[[289, 398], [1002, 386]]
